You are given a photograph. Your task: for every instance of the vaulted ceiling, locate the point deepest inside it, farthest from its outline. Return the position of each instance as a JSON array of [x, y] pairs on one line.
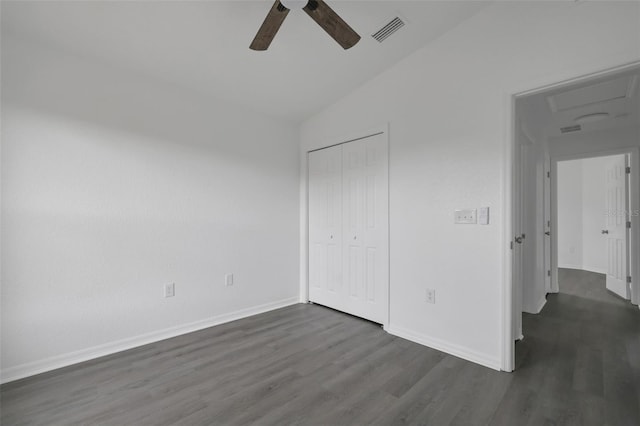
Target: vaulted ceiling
[[204, 45]]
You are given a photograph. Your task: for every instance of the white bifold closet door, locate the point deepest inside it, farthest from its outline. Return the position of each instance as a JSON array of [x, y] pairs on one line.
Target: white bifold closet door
[[349, 227]]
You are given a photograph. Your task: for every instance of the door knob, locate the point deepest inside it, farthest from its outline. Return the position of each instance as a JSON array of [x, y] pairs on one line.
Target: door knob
[[331, 237], [519, 239], [354, 237], [547, 233], [605, 231]]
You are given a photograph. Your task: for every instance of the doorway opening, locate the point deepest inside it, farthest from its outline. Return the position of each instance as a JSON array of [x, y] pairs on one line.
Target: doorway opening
[[592, 205], [590, 119]]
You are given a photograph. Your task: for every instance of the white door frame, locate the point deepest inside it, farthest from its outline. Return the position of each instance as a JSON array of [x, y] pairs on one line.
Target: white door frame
[[546, 218], [333, 141], [634, 205], [562, 78]]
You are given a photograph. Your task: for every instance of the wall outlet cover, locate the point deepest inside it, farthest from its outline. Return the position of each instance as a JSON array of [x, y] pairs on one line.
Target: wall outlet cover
[[431, 295], [170, 290], [228, 280], [465, 216]]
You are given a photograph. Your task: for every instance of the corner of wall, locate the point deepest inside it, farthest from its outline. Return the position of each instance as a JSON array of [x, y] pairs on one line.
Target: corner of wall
[[447, 347]]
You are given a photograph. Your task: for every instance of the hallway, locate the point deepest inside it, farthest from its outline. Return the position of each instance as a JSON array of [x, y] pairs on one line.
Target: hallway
[[580, 360]]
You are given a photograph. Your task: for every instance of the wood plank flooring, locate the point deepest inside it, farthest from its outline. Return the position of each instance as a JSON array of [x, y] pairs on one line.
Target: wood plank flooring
[[579, 364], [587, 285]]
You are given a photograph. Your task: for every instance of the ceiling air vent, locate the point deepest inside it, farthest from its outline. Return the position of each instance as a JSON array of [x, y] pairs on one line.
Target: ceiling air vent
[[570, 129], [394, 25]]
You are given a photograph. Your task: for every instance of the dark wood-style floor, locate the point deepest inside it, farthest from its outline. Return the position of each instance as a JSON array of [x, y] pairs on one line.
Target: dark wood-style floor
[[579, 364]]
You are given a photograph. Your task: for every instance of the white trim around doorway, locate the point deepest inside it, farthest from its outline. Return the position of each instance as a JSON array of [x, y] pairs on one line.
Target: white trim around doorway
[[563, 78], [634, 206]]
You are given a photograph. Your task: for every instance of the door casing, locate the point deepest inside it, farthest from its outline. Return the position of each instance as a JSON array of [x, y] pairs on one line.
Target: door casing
[[634, 203], [509, 187]]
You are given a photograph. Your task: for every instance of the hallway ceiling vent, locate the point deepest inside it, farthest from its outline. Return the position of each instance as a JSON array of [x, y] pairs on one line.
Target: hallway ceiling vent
[[570, 129], [391, 27]]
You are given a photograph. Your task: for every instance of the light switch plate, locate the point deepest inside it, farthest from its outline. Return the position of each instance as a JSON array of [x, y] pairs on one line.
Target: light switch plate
[[465, 216], [483, 215]]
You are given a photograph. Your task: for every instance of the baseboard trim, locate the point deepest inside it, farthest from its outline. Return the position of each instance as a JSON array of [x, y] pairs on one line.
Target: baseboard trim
[[541, 303], [32, 368], [569, 266], [583, 268], [595, 270], [447, 347], [537, 308]]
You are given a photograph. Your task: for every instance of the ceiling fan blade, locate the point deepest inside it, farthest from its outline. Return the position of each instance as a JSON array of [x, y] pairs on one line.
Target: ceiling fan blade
[[332, 23], [269, 27]]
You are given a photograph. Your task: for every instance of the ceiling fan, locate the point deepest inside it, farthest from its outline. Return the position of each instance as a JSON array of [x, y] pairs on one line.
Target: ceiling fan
[[318, 10]]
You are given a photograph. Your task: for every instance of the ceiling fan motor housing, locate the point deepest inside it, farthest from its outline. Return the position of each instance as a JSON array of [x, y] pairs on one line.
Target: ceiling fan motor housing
[[294, 4]]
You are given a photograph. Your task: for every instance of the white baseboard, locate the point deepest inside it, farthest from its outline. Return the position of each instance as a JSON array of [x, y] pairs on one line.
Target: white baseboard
[[64, 360], [447, 347], [540, 304], [569, 266], [583, 268], [537, 307], [596, 270]]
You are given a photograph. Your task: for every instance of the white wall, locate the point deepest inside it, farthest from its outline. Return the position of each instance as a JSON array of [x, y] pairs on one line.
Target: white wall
[[112, 186], [447, 105], [570, 208], [594, 248]]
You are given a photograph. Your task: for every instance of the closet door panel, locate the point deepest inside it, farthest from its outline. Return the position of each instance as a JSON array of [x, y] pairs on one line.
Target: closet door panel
[[366, 203], [349, 228], [325, 226], [353, 199]]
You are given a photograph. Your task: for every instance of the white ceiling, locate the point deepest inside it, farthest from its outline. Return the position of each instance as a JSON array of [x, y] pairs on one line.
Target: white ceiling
[[544, 114], [204, 45]]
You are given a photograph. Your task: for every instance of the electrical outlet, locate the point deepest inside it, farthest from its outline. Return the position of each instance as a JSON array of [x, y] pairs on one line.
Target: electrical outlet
[[431, 295], [228, 280], [170, 290]]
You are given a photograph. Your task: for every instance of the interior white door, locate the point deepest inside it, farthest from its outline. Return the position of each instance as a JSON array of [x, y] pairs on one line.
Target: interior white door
[[616, 232], [325, 226], [349, 228], [366, 227]]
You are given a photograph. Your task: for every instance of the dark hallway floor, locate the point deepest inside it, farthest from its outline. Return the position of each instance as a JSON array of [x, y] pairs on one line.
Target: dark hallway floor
[[587, 285], [580, 358]]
